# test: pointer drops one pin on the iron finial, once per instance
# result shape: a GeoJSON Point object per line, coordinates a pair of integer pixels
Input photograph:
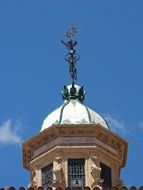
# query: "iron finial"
{"type": "Point", "coordinates": [72, 57]}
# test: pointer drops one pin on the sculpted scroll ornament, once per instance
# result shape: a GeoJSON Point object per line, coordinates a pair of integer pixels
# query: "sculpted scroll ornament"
{"type": "Point", "coordinates": [34, 177]}
{"type": "Point", "coordinates": [95, 171]}
{"type": "Point", "coordinates": [58, 172]}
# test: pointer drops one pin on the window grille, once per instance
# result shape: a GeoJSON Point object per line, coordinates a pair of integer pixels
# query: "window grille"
{"type": "Point", "coordinates": [76, 174]}
{"type": "Point", "coordinates": [106, 176]}
{"type": "Point", "coordinates": [47, 176]}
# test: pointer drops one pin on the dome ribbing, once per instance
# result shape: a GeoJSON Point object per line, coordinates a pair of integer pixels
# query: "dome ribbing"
{"type": "Point", "coordinates": [73, 111]}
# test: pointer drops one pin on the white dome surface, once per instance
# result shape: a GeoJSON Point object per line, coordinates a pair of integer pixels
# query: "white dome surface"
{"type": "Point", "coordinates": [73, 112]}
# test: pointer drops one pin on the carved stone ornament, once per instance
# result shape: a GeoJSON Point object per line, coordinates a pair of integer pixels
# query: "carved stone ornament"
{"type": "Point", "coordinates": [95, 171]}
{"type": "Point", "coordinates": [58, 172]}
{"type": "Point", "coordinates": [33, 184]}
{"type": "Point", "coordinates": [46, 139]}
{"type": "Point", "coordinates": [34, 179]}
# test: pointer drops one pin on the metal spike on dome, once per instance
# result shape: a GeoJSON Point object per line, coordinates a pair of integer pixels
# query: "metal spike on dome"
{"type": "Point", "coordinates": [72, 57]}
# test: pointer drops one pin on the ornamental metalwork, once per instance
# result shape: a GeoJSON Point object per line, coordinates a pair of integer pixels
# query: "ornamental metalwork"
{"type": "Point", "coordinates": [76, 173]}
{"type": "Point", "coordinates": [72, 57]}
{"type": "Point", "coordinates": [47, 176]}
{"type": "Point", "coordinates": [73, 93]}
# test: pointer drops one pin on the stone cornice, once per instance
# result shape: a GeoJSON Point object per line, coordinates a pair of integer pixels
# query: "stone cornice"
{"type": "Point", "coordinates": [85, 130]}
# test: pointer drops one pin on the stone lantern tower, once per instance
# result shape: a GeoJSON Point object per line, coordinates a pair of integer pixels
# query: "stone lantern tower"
{"type": "Point", "coordinates": [75, 147]}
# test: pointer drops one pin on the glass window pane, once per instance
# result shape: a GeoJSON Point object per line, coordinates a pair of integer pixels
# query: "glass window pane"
{"type": "Point", "coordinates": [76, 175]}
{"type": "Point", "coordinates": [106, 175]}
{"type": "Point", "coordinates": [47, 176]}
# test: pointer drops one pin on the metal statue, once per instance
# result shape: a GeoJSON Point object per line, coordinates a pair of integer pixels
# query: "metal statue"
{"type": "Point", "coordinates": [72, 57]}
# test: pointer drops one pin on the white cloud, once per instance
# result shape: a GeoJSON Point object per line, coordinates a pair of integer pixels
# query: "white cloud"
{"type": "Point", "coordinates": [9, 132]}
{"type": "Point", "coordinates": [115, 125]}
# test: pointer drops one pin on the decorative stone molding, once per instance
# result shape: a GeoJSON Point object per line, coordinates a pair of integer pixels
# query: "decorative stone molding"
{"type": "Point", "coordinates": [32, 184]}
{"type": "Point", "coordinates": [58, 171]}
{"type": "Point", "coordinates": [34, 179]}
{"type": "Point", "coordinates": [95, 170]}
{"type": "Point", "coordinates": [95, 167]}
{"type": "Point", "coordinates": [59, 143]}
{"type": "Point", "coordinates": [55, 131]}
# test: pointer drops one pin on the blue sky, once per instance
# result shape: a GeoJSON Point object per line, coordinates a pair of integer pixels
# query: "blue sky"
{"type": "Point", "coordinates": [33, 72]}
